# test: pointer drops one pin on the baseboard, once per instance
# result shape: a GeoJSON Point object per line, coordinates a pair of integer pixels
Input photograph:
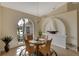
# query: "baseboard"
{"type": "Point", "coordinates": [15, 46]}
{"type": "Point", "coordinates": [59, 46]}
{"type": "Point", "coordinates": [71, 47]}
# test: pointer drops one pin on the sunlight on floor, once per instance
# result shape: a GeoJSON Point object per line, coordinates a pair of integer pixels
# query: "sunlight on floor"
{"type": "Point", "coordinates": [21, 51]}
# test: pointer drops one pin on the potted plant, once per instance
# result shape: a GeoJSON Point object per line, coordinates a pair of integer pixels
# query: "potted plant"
{"type": "Point", "coordinates": [7, 40]}
{"type": "Point", "coordinates": [40, 33]}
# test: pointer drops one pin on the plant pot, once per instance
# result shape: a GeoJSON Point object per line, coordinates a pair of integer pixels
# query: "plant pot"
{"type": "Point", "coordinates": [6, 48]}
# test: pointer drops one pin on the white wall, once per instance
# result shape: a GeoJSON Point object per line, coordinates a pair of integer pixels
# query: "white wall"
{"type": "Point", "coordinates": [2, 43]}
{"type": "Point", "coordinates": [60, 37]}
{"type": "Point", "coordinates": [70, 21]}
{"type": "Point", "coordinates": [9, 23]}
{"type": "Point", "coordinates": [51, 23]}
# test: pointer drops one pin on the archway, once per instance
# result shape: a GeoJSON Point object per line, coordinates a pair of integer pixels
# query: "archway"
{"type": "Point", "coordinates": [54, 24]}
{"type": "Point", "coordinates": [24, 27]}
{"type": "Point", "coordinates": [29, 28]}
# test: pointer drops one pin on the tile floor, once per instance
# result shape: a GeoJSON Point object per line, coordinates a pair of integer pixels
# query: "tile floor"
{"type": "Point", "coordinates": [59, 51]}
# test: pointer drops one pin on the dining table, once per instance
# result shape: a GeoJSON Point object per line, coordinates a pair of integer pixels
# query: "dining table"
{"type": "Point", "coordinates": [37, 43]}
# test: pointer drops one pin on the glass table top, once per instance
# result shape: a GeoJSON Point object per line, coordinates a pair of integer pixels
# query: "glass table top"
{"type": "Point", "coordinates": [21, 51]}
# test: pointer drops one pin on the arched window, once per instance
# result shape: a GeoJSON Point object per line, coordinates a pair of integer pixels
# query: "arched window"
{"type": "Point", "coordinates": [25, 26]}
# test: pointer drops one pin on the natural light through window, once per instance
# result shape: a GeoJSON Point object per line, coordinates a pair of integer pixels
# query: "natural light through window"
{"type": "Point", "coordinates": [26, 20]}
{"type": "Point", "coordinates": [21, 22]}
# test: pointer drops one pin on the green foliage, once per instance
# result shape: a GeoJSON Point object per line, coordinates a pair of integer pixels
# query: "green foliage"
{"type": "Point", "coordinates": [40, 33]}
{"type": "Point", "coordinates": [7, 39]}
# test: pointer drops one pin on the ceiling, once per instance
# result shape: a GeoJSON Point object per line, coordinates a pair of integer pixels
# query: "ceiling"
{"type": "Point", "coordinates": [34, 8]}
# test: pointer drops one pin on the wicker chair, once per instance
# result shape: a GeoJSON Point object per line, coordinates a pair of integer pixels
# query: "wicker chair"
{"type": "Point", "coordinates": [30, 48]}
{"type": "Point", "coordinates": [45, 50]}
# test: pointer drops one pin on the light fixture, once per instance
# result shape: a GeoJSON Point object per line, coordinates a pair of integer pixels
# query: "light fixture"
{"type": "Point", "coordinates": [52, 32]}
{"type": "Point", "coordinates": [52, 28]}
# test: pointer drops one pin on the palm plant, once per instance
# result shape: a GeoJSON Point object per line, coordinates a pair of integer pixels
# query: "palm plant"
{"type": "Point", "coordinates": [7, 40]}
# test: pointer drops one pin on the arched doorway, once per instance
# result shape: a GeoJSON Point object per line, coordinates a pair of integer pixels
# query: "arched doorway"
{"type": "Point", "coordinates": [55, 24]}
{"type": "Point", "coordinates": [24, 27]}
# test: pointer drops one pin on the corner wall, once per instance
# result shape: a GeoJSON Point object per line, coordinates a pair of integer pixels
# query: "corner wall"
{"type": "Point", "coordinates": [70, 21]}
{"type": "Point", "coordinates": [59, 10]}
{"type": "Point", "coordinates": [68, 14]}
{"type": "Point", "coordinates": [0, 20]}
{"type": "Point", "coordinates": [1, 28]}
{"type": "Point", "coordinates": [9, 22]}
{"type": "Point", "coordinates": [78, 28]}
